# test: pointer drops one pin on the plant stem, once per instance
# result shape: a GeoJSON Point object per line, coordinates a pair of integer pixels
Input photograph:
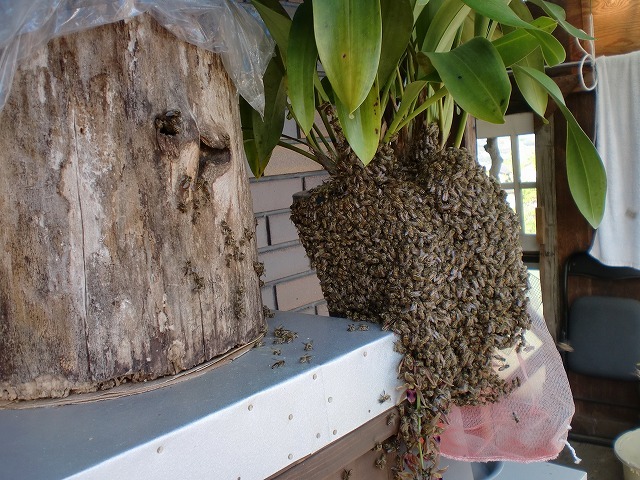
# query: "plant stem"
{"type": "Point", "coordinates": [427, 103]}
{"type": "Point", "coordinates": [330, 149]}
{"type": "Point", "coordinates": [320, 159]}
{"type": "Point", "coordinates": [328, 126]}
{"type": "Point", "coordinates": [461, 129]}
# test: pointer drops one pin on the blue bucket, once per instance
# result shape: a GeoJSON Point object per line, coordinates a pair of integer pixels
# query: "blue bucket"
{"type": "Point", "coordinates": [486, 470]}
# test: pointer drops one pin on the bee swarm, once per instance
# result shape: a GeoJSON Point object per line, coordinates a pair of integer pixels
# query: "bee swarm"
{"type": "Point", "coordinates": [425, 244]}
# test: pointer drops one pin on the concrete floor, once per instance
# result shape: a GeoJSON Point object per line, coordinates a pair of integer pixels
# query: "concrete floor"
{"type": "Point", "coordinates": [599, 462]}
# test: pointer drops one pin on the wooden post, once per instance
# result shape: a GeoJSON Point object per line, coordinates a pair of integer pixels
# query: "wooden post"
{"type": "Point", "coordinates": [127, 247]}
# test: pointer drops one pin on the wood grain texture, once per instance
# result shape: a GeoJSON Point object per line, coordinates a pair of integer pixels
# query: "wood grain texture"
{"type": "Point", "coordinates": [350, 453]}
{"type": "Point", "coordinates": [114, 259]}
{"type": "Point", "coordinates": [616, 25]}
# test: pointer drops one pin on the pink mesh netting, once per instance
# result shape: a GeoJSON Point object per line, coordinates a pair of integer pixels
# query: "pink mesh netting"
{"type": "Point", "coordinates": [531, 424]}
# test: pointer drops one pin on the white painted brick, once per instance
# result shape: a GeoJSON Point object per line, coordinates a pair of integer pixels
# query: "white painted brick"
{"type": "Point", "coordinates": [285, 161]}
{"type": "Point", "coordinates": [298, 292]}
{"type": "Point", "coordinates": [282, 228]}
{"type": "Point", "coordinates": [274, 194]}
{"type": "Point", "coordinates": [284, 262]}
{"type": "Point", "coordinates": [290, 128]}
{"type": "Point", "coordinates": [269, 297]}
{"type": "Point", "coordinates": [313, 181]}
{"type": "Point", "coordinates": [262, 237]}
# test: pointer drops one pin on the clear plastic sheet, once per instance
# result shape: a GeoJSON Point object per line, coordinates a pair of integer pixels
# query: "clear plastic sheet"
{"type": "Point", "coordinates": [221, 26]}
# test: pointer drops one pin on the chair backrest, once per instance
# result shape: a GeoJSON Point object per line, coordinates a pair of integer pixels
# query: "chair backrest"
{"type": "Point", "coordinates": [604, 331]}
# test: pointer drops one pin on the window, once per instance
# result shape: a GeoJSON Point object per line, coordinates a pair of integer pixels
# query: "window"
{"type": "Point", "coordinates": [507, 152]}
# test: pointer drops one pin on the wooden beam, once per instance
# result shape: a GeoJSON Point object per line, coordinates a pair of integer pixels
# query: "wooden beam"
{"type": "Point", "coordinates": [335, 458]}
{"type": "Point", "coordinates": [616, 25]}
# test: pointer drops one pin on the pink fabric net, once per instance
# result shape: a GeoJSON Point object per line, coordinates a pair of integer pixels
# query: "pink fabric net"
{"type": "Point", "coordinates": [531, 424]}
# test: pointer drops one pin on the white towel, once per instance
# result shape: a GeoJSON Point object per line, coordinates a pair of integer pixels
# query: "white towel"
{"type": "Point", "coordinates": [617, 240]}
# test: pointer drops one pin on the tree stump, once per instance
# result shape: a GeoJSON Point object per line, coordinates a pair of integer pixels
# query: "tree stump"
{"type": "Point", "coordinates": [127, 245]}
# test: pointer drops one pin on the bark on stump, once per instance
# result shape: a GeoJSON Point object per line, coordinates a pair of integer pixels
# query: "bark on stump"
{"type": "Point", "coordinates": [126, 227]}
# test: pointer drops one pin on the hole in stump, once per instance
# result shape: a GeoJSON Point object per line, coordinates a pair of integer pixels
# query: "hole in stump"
{"type": "Point", "coordinates": [169, 123]}
{"type": "Point", "coordinates": [213, 153]}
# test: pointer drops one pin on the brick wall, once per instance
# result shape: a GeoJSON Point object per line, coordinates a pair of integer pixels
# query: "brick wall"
{"type": "Point", "coordinates": [290, 284]}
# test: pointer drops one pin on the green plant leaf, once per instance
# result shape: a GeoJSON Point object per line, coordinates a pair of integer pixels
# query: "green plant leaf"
{"type": "Point", "coordinates": [418, 7]}
{"type": "Point", "coordinates": [476, 77]}
{"type": "Point", "coordinates": [515, 46]}
{"type": "Point", "coordinates": [362, 127]}
{"type": "Point", "coordinates": [557, 13]}
{"type": "Point", "coordinates": [480, 25]}
{"type": "Point", "coordinates": [534, 94]}
{"type": "Point", "coordinates": [397, 26]}
{"type": "Point", "coordinates": [261, 135]}
{"type": "Point", "coordinates": [410, 94]}
{"type": "Point", "coordinates": [552, 49]}
{"type": "Point", "coordinates": [328, 89]}
{"type": "Point", "coordinates": [349, 37]}
{"type": "Point", "coordinates": [301, 66]}
{"type": "Point", "coordinates": [249, 143]}
{"type": "Point", "coordinates": [273, 5]}
{"type": "Point", "coordinates": [444, 26]}
{"type": "Point", "coordinates": [497, 10]}
{"type": "Point", "coordinates": [277, 21]}
{"type": "Point", "coordinates": [585, 171]}
{"type": "Point", "coordinates": [423, 17]}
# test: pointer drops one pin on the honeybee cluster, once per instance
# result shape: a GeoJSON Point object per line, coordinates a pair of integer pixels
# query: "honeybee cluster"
{"type": "Point", "coordinates": [425, 244]}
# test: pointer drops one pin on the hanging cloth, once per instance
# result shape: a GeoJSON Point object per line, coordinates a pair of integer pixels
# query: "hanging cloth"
{"type": "Point", "coordinates": [617, 240]}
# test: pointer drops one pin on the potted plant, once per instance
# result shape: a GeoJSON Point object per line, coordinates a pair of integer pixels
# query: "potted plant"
{"type": "Point", "coordinates": [409, 231]}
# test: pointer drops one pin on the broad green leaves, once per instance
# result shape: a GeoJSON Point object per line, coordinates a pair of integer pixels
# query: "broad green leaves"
{"type": "Point", "coordinates": [261, 135]}
{"type": "Point", "coordinates": [557, 13]}
{"type": "Point", "coordinates": [362, 127]}
{"type": "Point", "coordinates": [498, 11]}
{"type": "Point", "coordinates": [302, 57]}
{"type": "Point", "coordinates": [444, 26]}
{"type": "Point", "coordinates": [392, 63]}
{"type": "Point", "coordinates": [397, 25]}
{"type": "Point", "coordinates": [349, 38]}
{"type": "Point", "coordinates": [476, 77]}
{"type": "Point", "coordinates": [276, 20]}
{"type": "Point", "coordinates": [585, 172]}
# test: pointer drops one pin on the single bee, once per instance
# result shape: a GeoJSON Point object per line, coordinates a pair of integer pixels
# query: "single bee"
{"type": "Point", "coordinates": [391, 417]}
{"type": "Point", "coordinates": [381, 462]}
{"type": "Point", "coordinates": [377, 447]}
{"type": "Point", "coordinates": [308, 346]}
{"type": "Point", "coordinates": [351, 328]}
{"type": "Point", "coordinates": [187, 268]}
{"type": "Point", "coordinates": [503, 367]}
{"type": "Point", "coordinates": [276, 351]}
{"type": "Point", "coordinates": [278, 364]}
{"type": "Point", "coordinates": [185, 182]}
{"type": "Point", "coordinates": [346, 475]}
{"type": "Point", "coordinates": [565, 347]}
{"type": "Point", "coordinates": [305, 359]}
{"type": "Point", "coordinates": [384, 397]}
{"type": "Point", "coordinates": [363, 327]}
{"type": "Point", "coordinates": [515, 417]}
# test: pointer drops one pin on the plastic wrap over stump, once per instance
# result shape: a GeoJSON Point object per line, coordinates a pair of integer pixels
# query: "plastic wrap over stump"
{"type": "Point", "coordinates": [220, 26]}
